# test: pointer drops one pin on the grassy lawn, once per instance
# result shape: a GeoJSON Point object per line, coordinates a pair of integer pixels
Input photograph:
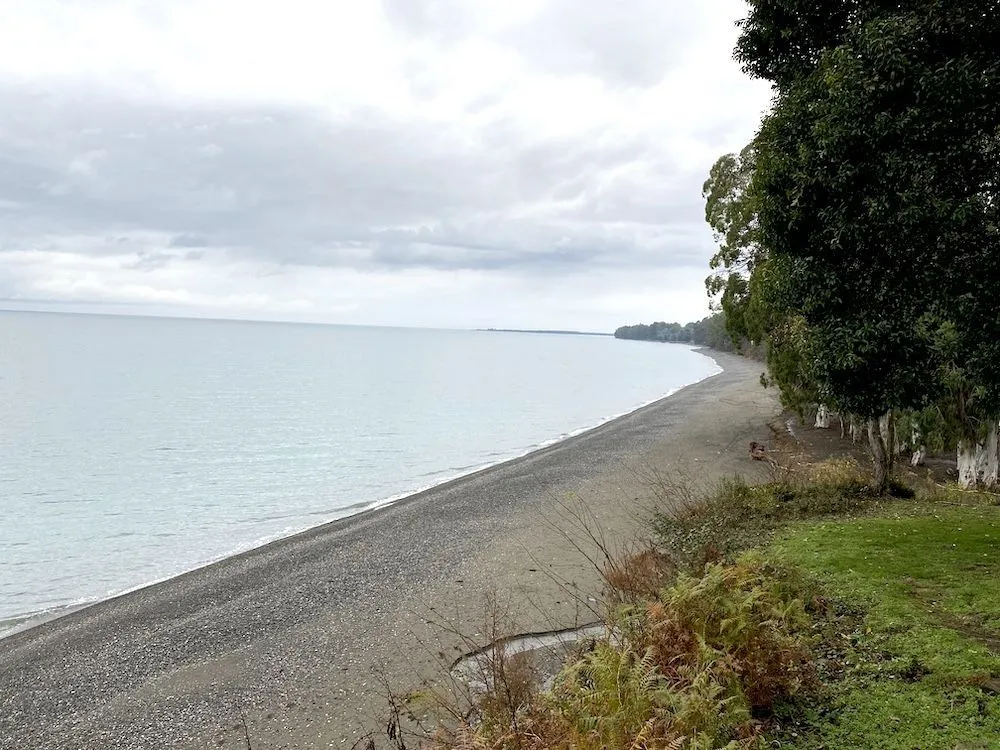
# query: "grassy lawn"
{"type": "Point", "coordinates": [920, 669]}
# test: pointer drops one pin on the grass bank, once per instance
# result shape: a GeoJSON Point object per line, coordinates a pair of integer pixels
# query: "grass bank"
{"type": "Point", "coordinates": [803, 613]}
{"type": "Point", "coordinates": [920, 666]}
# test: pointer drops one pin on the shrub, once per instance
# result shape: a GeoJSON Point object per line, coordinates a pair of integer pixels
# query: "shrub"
{"type": "Point", "coordinates": [842, 470]}
{"type": "Point", "coordinates": [737, 516]}
{"type": "Point", "coordinates": [686, 670]}
{"type": "Point", "coordinates": [748, 620]}
{"type": "Point", "coordinates": [632, 577]}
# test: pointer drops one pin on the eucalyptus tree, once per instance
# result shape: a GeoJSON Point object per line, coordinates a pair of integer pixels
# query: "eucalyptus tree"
{"type": "Point", "coordinates": [731, 212]}
{"type": "Point", "coordinates": [875, 186]}
{"type": "Point", "coordinates": [741, 280]}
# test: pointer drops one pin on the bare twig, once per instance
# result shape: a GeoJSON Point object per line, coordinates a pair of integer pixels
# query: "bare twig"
{"type": "Point", "coordinates": [243, 720]}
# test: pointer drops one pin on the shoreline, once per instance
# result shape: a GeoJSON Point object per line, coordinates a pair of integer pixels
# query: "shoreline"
{"type": "Point", "coordinates": [28, 621]}
{"type": "Point", "coordinates": [294, 630]}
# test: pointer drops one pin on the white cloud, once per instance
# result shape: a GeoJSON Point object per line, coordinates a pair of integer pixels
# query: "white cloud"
{"type": "Point", "coordinates": [211, 149]}
{"type": "Point", "coordinates": [435, 162]}
{"type": "Point", "coordinates": [84, 164]}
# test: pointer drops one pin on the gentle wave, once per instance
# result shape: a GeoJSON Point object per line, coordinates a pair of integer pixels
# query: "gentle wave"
{"type": "Point", "coordinates": [329, 516]}
{"type": "Point", "coordinates": [182, 444]}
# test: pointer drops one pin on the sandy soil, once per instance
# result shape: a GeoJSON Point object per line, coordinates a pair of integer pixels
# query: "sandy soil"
{"type": "Point", "coordinates": [298, 635]}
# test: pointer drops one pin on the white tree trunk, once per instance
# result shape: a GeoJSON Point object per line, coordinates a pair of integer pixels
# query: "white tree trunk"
{"type": "Point", "coordinates": [857, 431]}
{"type": "Point", "coordinates": [822, 417]}
{"type": "Point", "coordinates": [887, 427]}
{"type": "Point", "coordinates": [968, 463]}
{"type": "Point", "coordinates": [989, 461]}
{"type": "Point", "coordinates": [919, 450]}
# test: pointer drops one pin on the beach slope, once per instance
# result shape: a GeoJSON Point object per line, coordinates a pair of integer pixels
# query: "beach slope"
{"type": "Point", "coordinates": [292, 636]}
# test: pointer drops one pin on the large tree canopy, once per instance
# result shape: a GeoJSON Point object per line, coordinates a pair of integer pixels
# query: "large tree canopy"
{"type": "Point", "coordinates": [784, 40]}
{"type": "Point", "coordinates": [875, 190]}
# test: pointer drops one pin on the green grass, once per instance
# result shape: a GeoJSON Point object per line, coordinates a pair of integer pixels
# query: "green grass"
{"type": "Point", "coordinates": [928, 580]}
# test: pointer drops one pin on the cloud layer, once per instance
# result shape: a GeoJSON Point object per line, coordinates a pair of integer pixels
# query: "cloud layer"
{"type": "Point", "coordinates": [425, 162]}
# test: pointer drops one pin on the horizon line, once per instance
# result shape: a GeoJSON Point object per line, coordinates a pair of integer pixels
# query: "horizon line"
{"type": "Point", "coordinates": [217, 319]}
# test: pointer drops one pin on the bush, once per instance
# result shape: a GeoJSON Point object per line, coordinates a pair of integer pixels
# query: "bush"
{"type": "Point", "coordinates": [747, 621]}
{"type": "Point", "coordinates": [737, 516]}
{"type": "Point", "coordinates": [837, 471]}
{"type": "Point", "coordinates": [693, 668]}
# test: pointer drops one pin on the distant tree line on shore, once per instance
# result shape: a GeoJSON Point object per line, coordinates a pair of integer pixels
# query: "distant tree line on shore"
{"type": "Point", "coordinates": [710, 331]}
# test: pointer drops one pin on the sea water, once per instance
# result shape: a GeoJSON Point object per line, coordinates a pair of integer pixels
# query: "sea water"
{"type": "Point", "coordinates": [133, 449]}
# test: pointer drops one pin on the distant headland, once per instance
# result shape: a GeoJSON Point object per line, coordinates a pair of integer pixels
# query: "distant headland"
{"type": "Point", "coordinates": [531, 330]}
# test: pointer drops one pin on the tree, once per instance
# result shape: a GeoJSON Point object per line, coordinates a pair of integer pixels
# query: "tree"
{"type": "Point", "coordinates": [741, 279]}
{"type": "Point", "coordinates": [875, 184]}
{"type": "Point", "coordinates": [783, 41]}
{"type": "Point", "coordinates": [731, 211]}
{"type": "Point", "coordinates": [710, 331]}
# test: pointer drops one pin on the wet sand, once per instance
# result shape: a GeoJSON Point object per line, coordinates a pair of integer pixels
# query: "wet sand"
{"type": "Point", "coordinates": [293, 635]}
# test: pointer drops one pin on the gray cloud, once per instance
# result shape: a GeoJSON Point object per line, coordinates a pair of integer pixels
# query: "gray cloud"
{"type": "Point", "coordinates": [188, 240]}
{"type": "Point", "coordinates": [421, 161]}
{"type": "Point", "coordinates": [292, 186]}
{"type": "Point", "coordinates": [151, 261]}
{"type": "Point", "coordinates": [630, 43]}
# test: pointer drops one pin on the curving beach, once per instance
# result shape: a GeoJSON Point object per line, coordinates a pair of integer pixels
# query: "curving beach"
{"type": "Point", "coordinates": [294, 634]}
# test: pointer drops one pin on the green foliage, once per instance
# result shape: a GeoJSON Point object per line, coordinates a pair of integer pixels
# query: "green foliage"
{"type": "Point", "coordinates": [610, 696]}
{"type": "Point", "coordinates": [931, 427]}
{"type": "Point", "coordinates": [689, 665]}
{"type": "Point", "coordinates": [745, 621]}
{"type": "Point", "coordinates": [742, 279]}
{"type": "Point", "coordinates": [710, 331]}
{"type": "Point", "coordinates": [876, 188]}
{"type": "Point", "coordinates": [782, 40]}
{"type": "Point", "coordinates": [731, 212]}
{"type": "Point", "coordinates": [739, 272]}
{"type": "Point", "coordinates": [790, 364]}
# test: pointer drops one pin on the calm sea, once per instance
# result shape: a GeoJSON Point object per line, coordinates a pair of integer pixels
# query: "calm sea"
{"type": "Point", "coordinates": [133, 449]}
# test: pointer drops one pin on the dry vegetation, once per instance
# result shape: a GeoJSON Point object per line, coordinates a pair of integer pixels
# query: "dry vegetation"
{"type": "Point", "coordinates": [722, 634]}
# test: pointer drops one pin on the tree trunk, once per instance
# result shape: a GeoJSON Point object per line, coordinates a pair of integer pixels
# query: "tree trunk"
{"type": "Point", "coordinates": [979, 462]}
{"type": "Point", "coordinates": [887, 427]}
{"type": "Point", "coordinates": [989, 462]}
{"type": "Point", "coordinates": [856, 430]}
{"type": "Point", "coordinates": [968, 463]}
{"type": "Point", "coordinates": [919, 449]}
{"type": "Point", "coordinates": [822, 417]}
{"type": "Point", "coordinates": [880, 440]}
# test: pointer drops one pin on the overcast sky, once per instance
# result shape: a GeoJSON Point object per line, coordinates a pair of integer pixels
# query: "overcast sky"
{"type": "Point", "coordinates": [458, 163]}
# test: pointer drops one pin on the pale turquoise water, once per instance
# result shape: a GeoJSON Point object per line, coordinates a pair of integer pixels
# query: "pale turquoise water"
{"type": "Point", "coordinates": [133, 449]}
